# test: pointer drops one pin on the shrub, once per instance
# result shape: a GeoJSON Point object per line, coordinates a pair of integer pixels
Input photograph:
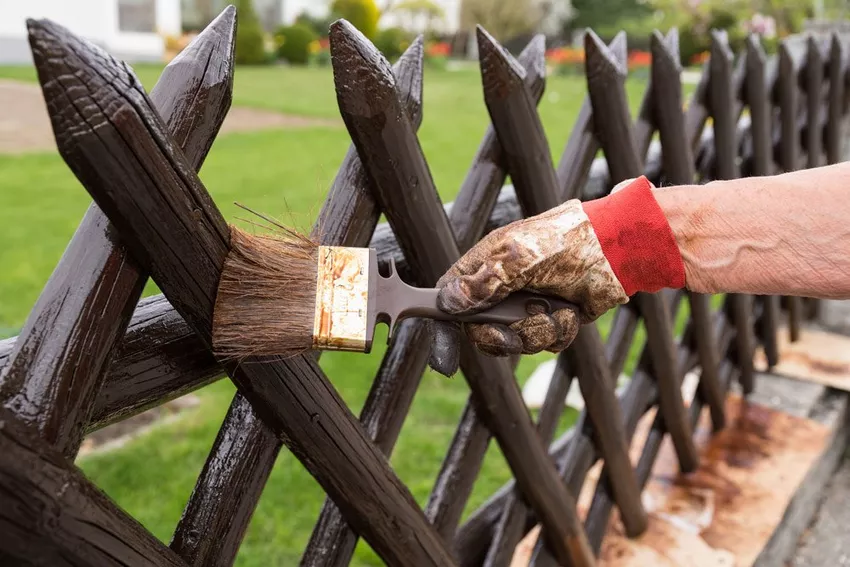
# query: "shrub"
{"type": "Point", "coordinates": [320, 53]}
{"type": "Point", "coordinates": [293, 43]}
{"type": "Point", "coordinates": [392, 42]}
{"type": "Point", "coordinates": [692, 44]}
{"type": "Point", "coordinates": [250, 48]}
{"type": "Point", "coordinates": [721, 18]}
{"type": "Point", "coordinates": [319, 25]}
{"type": "Point", "coordinates": [362, 14]}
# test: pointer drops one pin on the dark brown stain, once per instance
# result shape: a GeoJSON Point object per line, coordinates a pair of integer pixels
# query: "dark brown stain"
{"type": "Point", "coordinates": [739, 446]}
{"type": "Point", "coordinates": [819, 365]}
{"type": "Point", "coordinates": [42, 492]}
{"type": "Point", "coordinates": [829, 367]}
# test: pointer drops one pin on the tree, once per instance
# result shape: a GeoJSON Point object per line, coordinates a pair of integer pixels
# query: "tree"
{"type": "Point", "coordinates": [504, 20]}
{"type": "Point", "coordinates": [695, 20]}
{"type": "Point", "coordinates": [426, 10]}
{"type": "Point", "coordinates": [250, 48]}
{"type": "Point", "coordinates": [362, 14]}
{"type": "Point", "coordinates": [606, 13]}
{"type": "Point", "coordinates": [295, 43]}
{"type": "Point", "coordinates": [789, 14]}
{"type": "Point", "coordinates": [320, 25]}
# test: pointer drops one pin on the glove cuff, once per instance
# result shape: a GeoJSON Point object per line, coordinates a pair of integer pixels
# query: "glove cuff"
{"type": "Point", "coordinates": [636, 239]}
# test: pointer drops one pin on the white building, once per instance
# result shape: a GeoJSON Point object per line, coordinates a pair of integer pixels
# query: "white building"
{"type": "Point", "coordinates": [132, 30]}
{"type": "Point", "coordinates": [135, 30]}
{"type": "Point", "coordinates": [284, 12]}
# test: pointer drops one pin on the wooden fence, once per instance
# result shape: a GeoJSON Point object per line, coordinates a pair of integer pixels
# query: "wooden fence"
{"type": "Point", "coordinates": [92, 354]}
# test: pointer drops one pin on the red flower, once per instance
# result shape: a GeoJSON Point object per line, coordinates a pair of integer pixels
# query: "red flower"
{"type": "Point", "coordinates": [639, 59]}
{"type": "Point", "coordinates": [441, 49]}
{"type": "Point", "coordinates": [561, 55]}
{"type": "Point", "coordinates": [700, 58]}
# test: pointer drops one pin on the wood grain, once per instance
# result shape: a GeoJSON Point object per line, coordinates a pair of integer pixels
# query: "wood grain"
{"type": "Point", "coordinates": [173, 227]}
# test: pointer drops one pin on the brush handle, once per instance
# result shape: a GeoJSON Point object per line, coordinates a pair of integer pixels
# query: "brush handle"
{"type": "Point", "coordinates": [422, 302]}
{"type": "Point", "coordinates": [392, 300]}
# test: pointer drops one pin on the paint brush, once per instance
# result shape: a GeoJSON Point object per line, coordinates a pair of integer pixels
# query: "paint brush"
{"type": "Point", "coordinates": [284, 294]}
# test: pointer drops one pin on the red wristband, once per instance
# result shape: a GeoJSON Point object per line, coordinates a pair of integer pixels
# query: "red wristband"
{"type": "Point", "coordinates": [637, 239]}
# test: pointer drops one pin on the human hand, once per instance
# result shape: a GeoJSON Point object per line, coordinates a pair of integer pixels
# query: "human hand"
{"type": "Point", "coordinates": [558, 252]}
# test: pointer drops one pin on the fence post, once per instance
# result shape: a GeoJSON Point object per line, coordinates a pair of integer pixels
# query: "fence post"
{"type": "Point", "coordinates": [531, 169]}
{"type": "Point", "coordinates": [61, 358]}
{"type": "Point", "coordinates": [605, 83]}
{"type": "Point", "coordinates": [172, 226]}
{"type": "Point", "coordinates": [478, 194]}
{"type": "Point", "coordinates": [725, 111]}
{"type": "Point", "coordinates": [790, 63]}
{"type": "Point", "coordinates": [678, 164]}
{"type": "Point", "coordinates": [761, 116]}
{"type": "Point", "coordinates": [403, 185]}
{"type": "Point", "coordinates": [52, 515]}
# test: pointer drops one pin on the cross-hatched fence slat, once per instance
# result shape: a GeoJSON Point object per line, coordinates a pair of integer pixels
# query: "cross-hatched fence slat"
{"type": "Point", "coordinates": [154, 206]}
{"type": "Point", "coordinates": [153, 216]}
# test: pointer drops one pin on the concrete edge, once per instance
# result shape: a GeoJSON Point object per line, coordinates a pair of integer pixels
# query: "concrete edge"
{"type": "Point", "coordinates": [831, 407]}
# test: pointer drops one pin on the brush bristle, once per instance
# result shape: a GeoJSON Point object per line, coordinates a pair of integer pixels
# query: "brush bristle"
{"type": "Point", "coordinates": [266, 296]}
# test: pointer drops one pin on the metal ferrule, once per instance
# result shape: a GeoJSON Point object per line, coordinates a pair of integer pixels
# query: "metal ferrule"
{"type": "Point", "coordinates": [342, 318]}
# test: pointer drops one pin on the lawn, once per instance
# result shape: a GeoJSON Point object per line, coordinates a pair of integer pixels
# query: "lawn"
{"type": "Point", "coordinates": [285, 173]}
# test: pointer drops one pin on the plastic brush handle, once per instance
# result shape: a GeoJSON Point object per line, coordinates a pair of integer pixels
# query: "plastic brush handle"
{"type": "Point", "coordinates": [516, 307]}
{"type": "Point", "coordinates": [394, 301]}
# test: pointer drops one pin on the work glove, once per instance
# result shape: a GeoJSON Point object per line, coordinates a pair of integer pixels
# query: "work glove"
{"type": "Point", "coordinates": [595, 255]}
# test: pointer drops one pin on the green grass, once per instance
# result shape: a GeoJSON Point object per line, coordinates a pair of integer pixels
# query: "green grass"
{"type": "Point", "coordinates": [286, 174]}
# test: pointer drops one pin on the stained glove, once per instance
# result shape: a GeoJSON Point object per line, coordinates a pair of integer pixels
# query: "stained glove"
{"type": "Point", "coordinates": [594, 255]}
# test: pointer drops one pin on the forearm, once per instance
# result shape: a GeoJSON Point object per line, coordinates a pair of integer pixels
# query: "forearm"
{"type": "Point", "coordinates": [781, 235]}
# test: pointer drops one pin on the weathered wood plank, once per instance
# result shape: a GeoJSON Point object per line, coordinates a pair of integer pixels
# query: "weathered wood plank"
{"type": "Point", "coordinates": [723, 111]}
{"type": "Point", "coordinates": [52, 515]}
{"type": "Point", "coordinates": [605, 78]}
{"type": "Point", "coordinates": [348, 218]}
{"type": "Point", "coordinates": [678, 163]}
{"type": "Point", "coordinates": [172, 226]}
{"type": "Point", "coordinates": [62, 356]}
{"type": "Point", "coordinates": [761, 115]}
{"type": "Point", "coordinates": [529, 164]}
{"type": "Point", "coordinates": [468, 219]}
{"type": "Point", "coordinates": [790, 65]}
{"type": "Point", "coordinates": [403, 185]}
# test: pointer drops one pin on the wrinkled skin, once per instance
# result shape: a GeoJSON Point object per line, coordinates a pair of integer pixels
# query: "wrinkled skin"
{"type": "Point", "coordinates": [555, 253]}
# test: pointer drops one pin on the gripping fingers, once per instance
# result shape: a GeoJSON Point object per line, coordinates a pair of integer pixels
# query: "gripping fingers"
{"type": "Point", "coordinates": [494, 340]}
{"type": "Point", "coordinates": [551, 332]}
{"type": "Point", "coordinates": [569, 322]}
{"type": "Point", "coordinates": [537, 332]}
